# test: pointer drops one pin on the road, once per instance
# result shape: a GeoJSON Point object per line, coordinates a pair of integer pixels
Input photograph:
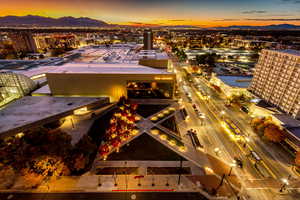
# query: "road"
{"type": "Point", "coordinates": [104, 196]}
{"type": "Point", "coordinates": [273, 166]}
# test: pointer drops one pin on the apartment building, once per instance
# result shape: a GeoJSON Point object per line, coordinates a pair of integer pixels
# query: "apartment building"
{"type": "Point", "coordinates": [277, 80]}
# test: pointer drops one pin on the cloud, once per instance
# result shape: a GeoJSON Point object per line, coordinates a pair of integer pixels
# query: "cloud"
{"type": "Point", "coordinates": [142, 24]}
{"type": "Point", "coordinates": [260, 19]}
{"type": "Point", "coordinates": [291, 1]}
{"type": "Point", "coordinates": [177, 20]}
{"type": "Point", "coordinates": [254, 12]}
{"type": "Point", "coordinates": [225, 20]}
{"type": "Point", "coordinates": [273, 19]}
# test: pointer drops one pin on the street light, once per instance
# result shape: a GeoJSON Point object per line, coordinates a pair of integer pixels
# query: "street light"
{"type": "Point", "coordinates": [217, 151]}
{"type": "Point", "coordinates": [202, 119]}
{"type": "Point", "coordinates": [285, 183]}
{"type": "Point", "coordinates": [231, 167]}
{"type": "Point", "coordinates": [222, 113]}
{"type": "Point", "coordinates": [247, 139]}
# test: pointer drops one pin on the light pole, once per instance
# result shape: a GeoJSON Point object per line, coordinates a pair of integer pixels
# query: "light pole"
{"type": "Point", "coordinates": [72, 122]}
{"type": "Point", "coordinates": [232, 165]}
{"type": "Point", "coordinates": [285, 182]}
{"type": "Point", "coordinates": [179, 175]}
{"type": "Point", "coordinates": [222, 113]}
{"type": "Point", "coordinates": [217, 151]}
{"type": "Point", "coordinates": [202, 120]}
{"type": "Point", "coordinates": [247, 139]}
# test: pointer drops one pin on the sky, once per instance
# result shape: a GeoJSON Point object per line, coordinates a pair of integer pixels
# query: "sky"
{"type": "Point", "coordinates": [203, 13]}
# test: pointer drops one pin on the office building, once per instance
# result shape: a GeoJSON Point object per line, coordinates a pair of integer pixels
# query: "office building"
{"type": "Point", "coordinates": [23, 42]}
{"type": "Point", "coordinates": [148, 40]}
{"type": "Point", "coordinates": [277, 80]}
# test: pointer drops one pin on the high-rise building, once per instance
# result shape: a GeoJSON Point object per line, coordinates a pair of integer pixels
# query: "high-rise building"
{"type": "Point", "coordinates": [148, 39]}
{"type": "Point", "coordinates": [23, 42]}
{"type": "Point", "coordinates": [277, 80]}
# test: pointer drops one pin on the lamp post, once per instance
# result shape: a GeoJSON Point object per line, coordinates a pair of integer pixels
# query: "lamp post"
{"type": "Point", "coordinates": [202, 120]}
{"type": "Point", "coordinates": [285, 182]}
{"type": "Point", "coordinates": [217, 151]}
{"type": "Point", "coordinates": [231, 167]}
{"type": "Point", "coordinates": [222, 113]}
{"type": "Point", "coordinates": [180, 170]}
{"type": "Point", "coordinates": [247, 139]}
{"type": "Point", "coordinates": [72, 122]}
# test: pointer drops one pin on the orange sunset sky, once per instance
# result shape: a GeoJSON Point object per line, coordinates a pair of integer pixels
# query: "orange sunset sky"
{"type": "Point", "coordinates": [204, 13]}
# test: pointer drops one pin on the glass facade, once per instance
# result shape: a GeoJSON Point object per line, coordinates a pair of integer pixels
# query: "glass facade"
{"type": "Point", "coordinates": [14, 86]}
{"type": "Point", "coordinates": [149, 90]}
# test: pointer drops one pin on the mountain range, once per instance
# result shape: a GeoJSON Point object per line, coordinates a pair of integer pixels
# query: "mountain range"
{"type": "Point", "coordinates": [269, 27]}
{"type": "Point", "coordinates": [32, 20]}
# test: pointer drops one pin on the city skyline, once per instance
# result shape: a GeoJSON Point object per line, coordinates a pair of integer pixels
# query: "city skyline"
{"type": "Point", "coordinates": [171, 12]}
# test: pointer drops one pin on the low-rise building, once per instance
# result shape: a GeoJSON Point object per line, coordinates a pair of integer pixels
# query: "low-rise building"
{"type": "Point", "coordinates": [232, 85]}
{"type": "Point", "coordinates": [111, 80]}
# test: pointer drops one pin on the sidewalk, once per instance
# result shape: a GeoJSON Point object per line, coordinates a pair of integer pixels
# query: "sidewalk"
{"type": "Point", "coordinates": [106, 183]}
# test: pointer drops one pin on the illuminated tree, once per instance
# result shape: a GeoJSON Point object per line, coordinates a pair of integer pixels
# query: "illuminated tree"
{"type": "Point", "coordinates": [7, 176]}
{"type": "Point", "coordinates": [50, 166]}
{"type": "Point", "coordinates": [31, 179]}
{"type": "Point", "coordinates": [256, 121]}
{"type": "Point", "coordinates": [274, 133]}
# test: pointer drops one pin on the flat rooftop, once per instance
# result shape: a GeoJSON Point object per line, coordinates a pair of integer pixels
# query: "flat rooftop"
{"type": "Point", "coordinates": [105, 68]}
{"type": "Point", "coordinates": [288, 51]}
{"type": "Point", "coordinates": [288, 121]}
{"type": "Point", "coordinates": [36, 71]}
{"type": "Point", "coordinates": [44, 90]}
{"type": "Point", "coordinates": [123, 53]}
{"type": "Point", "coordinates": [236, 81]}
{"type": "Point", "coordinates": [32, 109]}
{"type": "Point", "coordinates": [21, 65]}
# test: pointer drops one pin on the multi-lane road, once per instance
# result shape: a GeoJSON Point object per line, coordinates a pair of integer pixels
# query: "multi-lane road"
{"type": "Point", "coordinates": [260, 180]}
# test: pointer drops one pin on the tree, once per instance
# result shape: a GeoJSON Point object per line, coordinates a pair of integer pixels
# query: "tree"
{"type": "Point", "coordinates": [256, 121]}
{"type": "Point", "coordinates": [207, 59]}
{"type": "Point", "coordinates": [57, 52]}
{"type": "Point", "coordinates": [31, 179]}
{"type": "Point", "coordinates": [7, 176]}
{"type": "Point", "coordinates": [273, 133]}
{"type": "Point", "coordinates": [80, 162]}
{"type": "Point", "coordinates": [181, 54]}
{"type": "Point", "coordinates": [297, 159]}
{"type": "Point", "coordinates": [49, 166]}
{"type": "Point", "coordinates": [86, 146]}
{"type": "Point", "coordinates": [201, 59]}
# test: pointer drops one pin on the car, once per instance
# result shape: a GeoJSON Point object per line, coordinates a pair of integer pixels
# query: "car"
{"type": "Point", "coordinates": [245, 109]}
{"type": "Point", "coordinates": [238, 162]}
{"type": "Point", "coordinates": [200, 114]}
